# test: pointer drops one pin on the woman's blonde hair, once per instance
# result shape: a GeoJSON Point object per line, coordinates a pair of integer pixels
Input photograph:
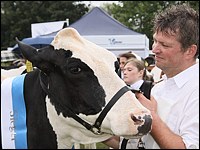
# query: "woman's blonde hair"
{"type": "Point", "coordinates": [140, 65]}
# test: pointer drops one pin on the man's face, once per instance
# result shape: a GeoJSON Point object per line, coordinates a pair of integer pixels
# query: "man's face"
{"type": "Point", "coordinates": [167, 50]}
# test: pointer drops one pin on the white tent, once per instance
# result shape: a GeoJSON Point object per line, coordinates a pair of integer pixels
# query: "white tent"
{"type": "Point", "coordinates": [38, 29]}
{"type": "Point", "coordinates": [118, 44]}
{"type": "Point", "coordinates": [100, 28]}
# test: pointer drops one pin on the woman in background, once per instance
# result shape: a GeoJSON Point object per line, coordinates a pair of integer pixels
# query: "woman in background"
{"type": "Point", "coordinates": [135, 76]}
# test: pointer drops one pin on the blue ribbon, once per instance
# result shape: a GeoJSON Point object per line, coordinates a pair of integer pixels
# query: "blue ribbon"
{"type": "Point", "coordinates": [19, 112]}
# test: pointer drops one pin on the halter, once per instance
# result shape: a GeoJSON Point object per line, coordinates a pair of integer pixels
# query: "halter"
{"type": "Point", "coordinates": [96, 127]}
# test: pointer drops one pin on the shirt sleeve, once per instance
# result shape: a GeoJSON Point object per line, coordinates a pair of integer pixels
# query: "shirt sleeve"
{"type": "Point", "coordinates": [189, 128]}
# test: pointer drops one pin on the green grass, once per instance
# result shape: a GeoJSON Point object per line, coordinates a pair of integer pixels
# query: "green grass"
{"type": "Point", "coordinates": [102, 146]}
{"type": "Point", "coordinates": [98, 145]}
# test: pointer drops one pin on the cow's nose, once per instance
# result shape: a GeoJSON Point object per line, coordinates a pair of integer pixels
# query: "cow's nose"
{"type": "Point", "coordinates": [144, 123]}
{"type": "Point", "coordinates": [137, 120]}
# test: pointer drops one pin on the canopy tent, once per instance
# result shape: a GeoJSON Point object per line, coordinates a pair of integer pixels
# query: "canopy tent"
{"type": "Point", "coordinates": [37, 42]}
{"type": "Point", "coordinates": [38, 29]}
{"type": "Point", "coordinates": [100, 28]}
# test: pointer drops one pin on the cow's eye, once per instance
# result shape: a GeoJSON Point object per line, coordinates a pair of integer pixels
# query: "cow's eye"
{"type": "Point", "coordinates": [75, 70]}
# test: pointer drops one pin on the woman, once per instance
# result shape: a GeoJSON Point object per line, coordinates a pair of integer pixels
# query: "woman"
{"type": "Point", "coordinates": [122, 60]}
{"type": "Point", "coordinates": [135, 75]}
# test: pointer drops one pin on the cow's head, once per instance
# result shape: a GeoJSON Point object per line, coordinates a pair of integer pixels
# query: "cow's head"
{"type": "Point", "coordinates": [82, 77]}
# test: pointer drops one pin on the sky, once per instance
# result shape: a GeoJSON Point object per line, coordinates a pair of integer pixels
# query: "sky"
{"type": "Point", "coordinates": [98, 3]}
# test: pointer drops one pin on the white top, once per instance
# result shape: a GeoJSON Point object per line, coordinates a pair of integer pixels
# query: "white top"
{"type": "Point", "coordinates": [178, 106]}
{"type": "Point", "coordinates": [156, 72]}
{"type": "Point", "coordinates": [137, 85]}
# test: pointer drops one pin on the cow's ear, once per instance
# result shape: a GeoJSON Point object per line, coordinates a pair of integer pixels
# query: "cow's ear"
{"type": "Point", "coordinates": [28, 51]}
{"type": "Point", "coordinates": [34, 56]}
{"type": "Point", "coordinates": [45, 58]}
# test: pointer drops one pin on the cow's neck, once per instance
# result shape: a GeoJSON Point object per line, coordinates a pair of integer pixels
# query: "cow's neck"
{"type": "Point", "coordinates": [37, 121]}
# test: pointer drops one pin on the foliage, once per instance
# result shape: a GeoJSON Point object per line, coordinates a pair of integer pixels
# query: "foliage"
{"type": "Point", "coordinates": [17, 16]}
{"type": "Point", "coordinates": [138, 15]}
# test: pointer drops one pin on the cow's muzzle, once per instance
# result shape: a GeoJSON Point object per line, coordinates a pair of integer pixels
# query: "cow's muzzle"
{"type": "Point", "coordinates": [144, 123]}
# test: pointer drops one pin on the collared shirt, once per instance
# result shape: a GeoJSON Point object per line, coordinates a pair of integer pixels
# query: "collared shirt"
{"type": "Point", "coordinates": [137, 85]}
{"type": "Point", "coordinates": [178, 106]}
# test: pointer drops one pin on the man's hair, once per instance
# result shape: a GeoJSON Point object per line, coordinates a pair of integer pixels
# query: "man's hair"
{"type": "Point", "coordinates": [181, 20]}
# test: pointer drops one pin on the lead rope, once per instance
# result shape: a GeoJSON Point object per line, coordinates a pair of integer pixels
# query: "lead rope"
{"type": "Point", "coordinates": [124, 143]}
{"type": "Point", "coordinates": [141, 144]}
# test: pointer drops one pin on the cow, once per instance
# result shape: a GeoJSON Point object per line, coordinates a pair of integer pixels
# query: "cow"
{"type": "Point", "coordinates": [76, 96]}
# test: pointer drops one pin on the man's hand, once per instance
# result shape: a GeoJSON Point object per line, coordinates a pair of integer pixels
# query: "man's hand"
{"type": "Point", "coordinates": [150, 104]}
{"type": "Point", "coordinates": [159, 128]}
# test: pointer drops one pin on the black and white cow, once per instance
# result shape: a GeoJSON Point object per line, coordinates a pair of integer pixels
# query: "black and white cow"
{"type": "Point", "coordinates": [77, 78]}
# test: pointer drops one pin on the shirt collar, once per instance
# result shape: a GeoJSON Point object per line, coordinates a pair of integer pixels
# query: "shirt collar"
{"type": "Point", "coordinates": [183, 77]}
{"type": "Point", "coordinates": [137, 85]}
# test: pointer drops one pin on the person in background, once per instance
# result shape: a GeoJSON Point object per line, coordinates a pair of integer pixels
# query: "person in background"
{"type": "Point", "coordinates": [135, 75]}
{"type": "Point", "coordinates": [174, 102]}
{"type": "Point", "coordinates": [122, 60]}
{"type": "Point", "coordinates": [10, 60]}
{"type": "Point", "coordinates": [150, 60]}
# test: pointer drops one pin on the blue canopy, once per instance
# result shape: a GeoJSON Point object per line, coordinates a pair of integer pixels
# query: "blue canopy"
{"type": "Point", "coordinates": [37, 42]}
{"type": "Point", "coordinates": [96, 22]}
{"type": "Point", "coordinates": [99, 22]}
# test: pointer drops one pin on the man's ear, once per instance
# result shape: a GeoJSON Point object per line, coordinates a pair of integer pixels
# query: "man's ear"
{"type": "Point", "coordinates": [191, 51]}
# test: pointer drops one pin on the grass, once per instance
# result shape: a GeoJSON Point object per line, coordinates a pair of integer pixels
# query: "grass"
{"type": "Point", "coordinates": [102, 146]}
{"type": "Point", "coordinates": [98, 146]}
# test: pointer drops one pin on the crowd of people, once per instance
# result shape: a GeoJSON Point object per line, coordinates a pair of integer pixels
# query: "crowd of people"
{"type": "Point", "coordinates": [10, 60]}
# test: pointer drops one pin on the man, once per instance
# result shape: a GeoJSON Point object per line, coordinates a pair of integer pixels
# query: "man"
{"type": "Point", "coordinates": [174, 103]}
{"type": "Point", "coordinates": [176, 47]}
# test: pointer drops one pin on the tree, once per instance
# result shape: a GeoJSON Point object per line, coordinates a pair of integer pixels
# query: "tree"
{"type": "Point", "coordinates": [138, 15]}
{"type": "Point", "coordinates": [17, 16]}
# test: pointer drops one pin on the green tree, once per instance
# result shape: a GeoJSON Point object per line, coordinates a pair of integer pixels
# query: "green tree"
{"type": "Point", "coordinates": [17, 16]}
{"type": "Point", "coordinates": [138, 15]}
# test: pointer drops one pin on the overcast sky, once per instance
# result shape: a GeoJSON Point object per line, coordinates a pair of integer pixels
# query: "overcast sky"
{"type": "Point", "coordinates": [98, 3]}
